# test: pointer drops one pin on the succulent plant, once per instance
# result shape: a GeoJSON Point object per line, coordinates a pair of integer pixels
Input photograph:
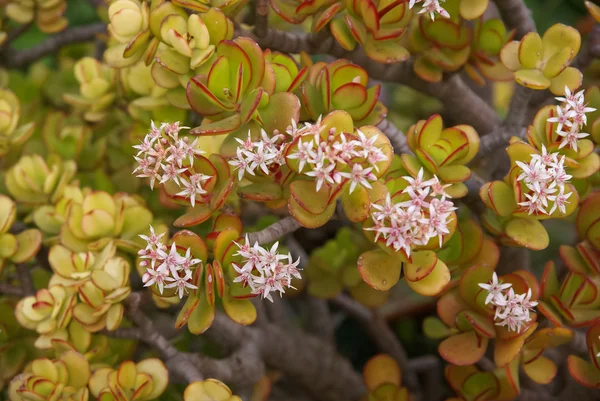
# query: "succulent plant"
{"type": "Point", "coordinates": [238, 94]}
{"type": "Point", "coordinates": [210, 280]}
{"type": "Point", "coordinates": [48, 15]}
{"type": "Point", "coordinates": [101, 281]}
{"type": "Point", "coordinates": [469, 246]}
{"type": "Point", "coordinates": [440, 46]}
{"type": "Point", "coordinates": [34, 181]}
{"type": "Point", "coordinates": [10, 132]}
{"type": "Point", "coordinates": [581, 162]}
{"type": "Point", "coordinates": [442, 152]}
{"type": "Point", "coordinates": [377, 25]}
{"type": "Point", "coordinates": [15, 343]}
{"type": "Point", "coordinates": [63, 379]}
{"type": "Point", "coordinates": [383, 378]}
{"type": "Point", "coordinates": [470, 383]}
{"type": "Point", "coordinates": [48, 312]}
{"type": "Point", "coordinates": [332, 267]}
{"type": "Point", "coordinates": [50, 218]}
{"type": "Point", "coordinates": [584, 372]}
{"type": "Point", "coordinates": [543, 62]}
{"type": "Point", "coordinates": [512, 215]}
{"type": "Point", "coordinates": [296, 11]}
{"type": "Point", "coordinates": [209, 389]}
{"type": "Point", "coordinates": [229, 7]}
{"type": "Point", "coordinates": [489, 37]}
{"type": "Point", "coordinates": [97, 89]}
{"type": "Point", "coordinates": [574, 300]}
{"type": "Point", "coordinates": [588, 219]}
{"type": "Point", "coordinates": [341, 85]}
{"type": "Point", "coordinates": [101, 218]}
{"type": "Point", "coordinates": [145, 380]}
{"type": "Point", "coordinates": [15, 248]}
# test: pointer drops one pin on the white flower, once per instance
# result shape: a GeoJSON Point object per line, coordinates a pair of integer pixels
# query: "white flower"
{"type": "Point", "coordinates": [157, 277]}
{"type": "Point", "coordinates": [302, 154]}
{"type": "Point", "coordinates": [571, 137]}
{"type": "Point", "coordinates": [359, 176]}
{"type": "Point", "coordinates": [181, 283]}
{"type": "Point", "coordinates": [563, 117]}
{"type": "Point", "coordinates": [560, 201]}
{"type": "Point", "coordinates": [494, 289]}
{"type": "Point", "coordinates": [432, 7]}
{"type": "Point", "coordinates": [193, 187]}
{"type": "Point", "coordinates": [322, 174]}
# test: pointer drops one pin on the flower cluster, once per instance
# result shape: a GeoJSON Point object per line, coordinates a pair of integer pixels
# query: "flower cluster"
{"type": "Point", "coordinates": [261, 154]}
{"type": "Point", "coordinates": [571, 118]}
{"type": "Point", "coordinates": [166, 267]}
{"type": "Point", "coordinates": [431, 7]}
{"type": "Point", "coordinates": [265, 271]}
{"type": "Point", "coordinates": [545, 177]}
{"type": "Point", "coordinates": [337, 157]}
{"type": "Point", "coordinates": [166, 157]}
{"type": "Point", "coordinates": [425, 215]}
{"type": "Point", "coordinates": [330, 160]}
{"type": "Point", "coordinates": [511, 310]}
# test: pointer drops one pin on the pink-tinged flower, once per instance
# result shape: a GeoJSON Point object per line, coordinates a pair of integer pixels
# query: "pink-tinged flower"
{"type": "Point", "coordinates": [242, 164]}
{"type": "Point", "coordinates": [495, 290]}
{"type": "Point", "coordinates": [359, 176]}
{"type": "Point", "coordinates": [432, 7]}
{"type": "Point", "coordinates": [514, 323]}
{"type": "Point", "coordinates": [365, 145]}
{"type": "Point", "coordinates": [244, 276]}
{"type": "Point", "coordinates": [563, 117]}
{"type": "Point", "coordinates": [157, 277]}
{"type": "Point", "coordinates": [181, 283]}
{"type": "Point", "coordinates": [172, 173]}
{"type": "Point", "coordinates": [571, 97]}
{"type": "Point", "coordinates": [571, 137]}
{"type": "Point", "coordinates": [533, 174]}
{"type": "Point", "coordinates": [246, 144]}
{"type": "Point", "coordinates": [190, 150]}
{"type": "Point", "coordinates": [383, 211]}
{"type": "Point", "coordinates": [173, 129]}
{"type": "Point", "coordinates": [193, 187]}
{"type": "Point", "coordinates": [153, 240]}
{"type": "Point", "coordinates": [417, 184]}
{"type": "Point", "coordinates": [170, 261]}
{"type": "Point", "coordinates": [322, 174]}
{"type": "Point", "coordinates": [303, 153]}
{"type": "Point", "coordinates": [560, 201]}
{"type": "Point", "coordinates": [547, 159]}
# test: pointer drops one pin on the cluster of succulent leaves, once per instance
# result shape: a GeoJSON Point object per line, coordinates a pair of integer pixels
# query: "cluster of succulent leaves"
{"type": "Point", "coordinates": [66, 137]}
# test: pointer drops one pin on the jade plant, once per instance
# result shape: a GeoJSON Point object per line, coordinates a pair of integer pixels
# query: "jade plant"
{"type": "Point", "coordinates": [221, 200]}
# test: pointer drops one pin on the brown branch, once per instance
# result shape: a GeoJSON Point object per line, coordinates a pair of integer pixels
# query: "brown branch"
{"type": "Point", "coordinates": [12, 58]}
{"type": "Point", "coordinates": [308, 360]}
{"type": "Point", "coordinates": [492, 143]}
{"type": "Point", "coordinates": [517, 16]}
{"type": "Point", "coordinates": [396, 137]}
{"type": "Point", "coordinates": [274, 231]}
{"type": "Point", "coordinates": [261, 23]}
{"type": "Point", "coordinates": [458, 99]}
{"type": "Point", "coordinates": [517, 109]}
{"type": "Point", "coordinates": [24, 275]}
{"type": "Point", "coordinates": [11, 290]}
{"type": "Point", "coordinates": [381, 334]}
